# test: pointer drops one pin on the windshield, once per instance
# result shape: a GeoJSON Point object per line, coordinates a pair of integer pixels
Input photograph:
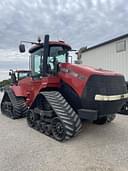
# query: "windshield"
{"type": "Point", "coordinates": [57, 55]}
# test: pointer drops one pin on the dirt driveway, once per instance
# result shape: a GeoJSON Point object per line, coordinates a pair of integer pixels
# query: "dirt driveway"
{"type": "Point", "coordinates": [96, 148]}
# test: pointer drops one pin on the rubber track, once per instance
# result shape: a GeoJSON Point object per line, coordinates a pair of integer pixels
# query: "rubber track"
{"type": "Point", "coordinates": [18, 104]}
{"type": "Point", "coordinates": [64, 111]}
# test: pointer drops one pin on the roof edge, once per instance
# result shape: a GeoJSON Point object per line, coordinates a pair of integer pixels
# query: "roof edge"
{"type": "Point", "coordinates": [104, 43]}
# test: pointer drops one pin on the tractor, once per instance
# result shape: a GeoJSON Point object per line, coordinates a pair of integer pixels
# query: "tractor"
{"type": "Point", "coordinates": [18, 75]}
{"type": "Point", "coordinates": [57, 96]}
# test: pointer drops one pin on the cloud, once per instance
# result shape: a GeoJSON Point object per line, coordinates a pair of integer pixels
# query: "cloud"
{"type": "Point", "coordinates": [79, 23]}
{"type": "Point", "coordinates": [12, 59]}
{"type": "Point", "coordinates": [4, 75]}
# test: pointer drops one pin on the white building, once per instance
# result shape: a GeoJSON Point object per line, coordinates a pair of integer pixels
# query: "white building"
{"type": "Point", "coordinates": [110, 55]}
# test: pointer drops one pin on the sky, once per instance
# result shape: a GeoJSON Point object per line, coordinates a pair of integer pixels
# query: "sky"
{"type": "Point", "coordinates": [77, 22]}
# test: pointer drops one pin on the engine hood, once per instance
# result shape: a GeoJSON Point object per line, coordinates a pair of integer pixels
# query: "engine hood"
{"type": "Point", "coordinates": [88, 70]}
{"type": "Point", "coordinates": [77, 76]}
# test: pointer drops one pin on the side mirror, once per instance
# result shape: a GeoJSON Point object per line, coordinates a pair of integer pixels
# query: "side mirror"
{"type": "Point", "coordinates": [10, 72]}
{"type": "Point", "coordinates": [22, 48]}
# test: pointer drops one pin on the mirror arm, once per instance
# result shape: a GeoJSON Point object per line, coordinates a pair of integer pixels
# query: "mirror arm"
{"type": "Point", "coordinates": [29, 42]}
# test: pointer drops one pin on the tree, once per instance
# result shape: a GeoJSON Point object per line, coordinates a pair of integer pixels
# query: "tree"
{"type": "Point", "coordinates": [4, 83]}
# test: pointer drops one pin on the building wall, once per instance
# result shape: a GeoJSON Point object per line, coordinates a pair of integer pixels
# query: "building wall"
{"type": "Point", "coordinates": [107, 57]}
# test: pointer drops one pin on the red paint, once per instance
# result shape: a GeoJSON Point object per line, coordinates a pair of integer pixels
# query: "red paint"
{"type": "Point", "coordinates": [30, 88]}
{"type": "Point", "coordinates": [77, 84]}
{"type": "Point", "coordinates": [54, 43]}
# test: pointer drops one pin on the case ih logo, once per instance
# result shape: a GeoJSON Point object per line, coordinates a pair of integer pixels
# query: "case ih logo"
{"type": "Point", "coordinates": [74, 74]}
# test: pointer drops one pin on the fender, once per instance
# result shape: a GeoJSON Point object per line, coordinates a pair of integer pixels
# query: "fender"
{"type": "Point", "coordinates": [18, 91]}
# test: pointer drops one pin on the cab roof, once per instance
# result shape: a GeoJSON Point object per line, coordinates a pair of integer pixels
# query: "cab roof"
{"type": "Point", "coordinates": [51, 43]}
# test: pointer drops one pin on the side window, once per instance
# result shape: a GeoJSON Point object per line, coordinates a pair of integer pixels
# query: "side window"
{"type": "Point", "coordinates": [61, 58]}
{"type": "Point", "coordinates": [23, 75]}
{"type": "Point", "coordinates": [37, 62]}
{"type": "Point", "coordinates": [36, 59]}
{"type": "Point", "coordinates": [121, 46]}
{"type": "Point", "coordinates": [57, 55]}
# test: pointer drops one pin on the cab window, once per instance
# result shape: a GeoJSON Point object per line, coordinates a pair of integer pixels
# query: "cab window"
{"type": "Point", "coordinates": [57, 55]}
{"type": "Point", "coordinates": [58, 52]}
{"type": "Point", "coordinates": [22, 75]}
{"type": "Point", "coordinates": [36, 63]}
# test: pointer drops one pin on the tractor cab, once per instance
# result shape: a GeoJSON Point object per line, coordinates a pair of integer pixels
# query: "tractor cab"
{"type": "Point", "coordinates": [18, 75]}
{"type": "Point", "coordinates": [46, 57]}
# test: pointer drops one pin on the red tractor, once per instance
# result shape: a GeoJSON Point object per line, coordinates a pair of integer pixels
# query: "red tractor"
{"type": "Point", "coordinates": [56, 95]}
{"type": "Point", "coordinates": [18, 75]}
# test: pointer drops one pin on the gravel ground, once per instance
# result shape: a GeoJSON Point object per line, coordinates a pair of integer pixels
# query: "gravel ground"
{"type": "Point", "coordinates": [96, 148]}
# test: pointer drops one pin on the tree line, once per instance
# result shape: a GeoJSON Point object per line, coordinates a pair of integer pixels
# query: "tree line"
{"type": "Point", "coordinates": [4, 83]}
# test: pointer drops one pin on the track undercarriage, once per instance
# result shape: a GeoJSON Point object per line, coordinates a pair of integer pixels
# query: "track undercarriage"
{"type": "Point", "coordinates": [53, 116]}
{"type": "Point", "coordinates": [50, 114]}
{"type": "Point", "coordinates": [12, 106]}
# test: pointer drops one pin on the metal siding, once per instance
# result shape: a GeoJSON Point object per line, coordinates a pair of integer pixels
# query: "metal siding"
{"type": "Point", "coordinates": [106, 57]}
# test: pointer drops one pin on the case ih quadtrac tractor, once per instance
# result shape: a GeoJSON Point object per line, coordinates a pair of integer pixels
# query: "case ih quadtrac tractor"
{"type": "Point", "coordinates": [57, 95]}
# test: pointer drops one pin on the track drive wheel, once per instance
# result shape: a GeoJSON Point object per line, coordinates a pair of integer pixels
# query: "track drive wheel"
{"type": "Point", "coordinates": [58, 129]}
{"type": "Point", "coordinates": [105, 119]}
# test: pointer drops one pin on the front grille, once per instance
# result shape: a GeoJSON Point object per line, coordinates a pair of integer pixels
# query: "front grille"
{"type": "Point", "coordinates": [103, 85]}
{"type": "Point", "coordinates": [108, 85]}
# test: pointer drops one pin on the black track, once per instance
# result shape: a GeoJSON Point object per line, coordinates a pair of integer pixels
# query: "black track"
{"type": "Point", "coordinates": [60, 121]}
{"type": "Point", "coordinates": [12, 106]}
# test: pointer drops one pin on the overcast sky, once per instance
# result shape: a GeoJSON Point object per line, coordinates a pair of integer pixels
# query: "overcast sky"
{"type": "Point", "coordinates": [78, 22]}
